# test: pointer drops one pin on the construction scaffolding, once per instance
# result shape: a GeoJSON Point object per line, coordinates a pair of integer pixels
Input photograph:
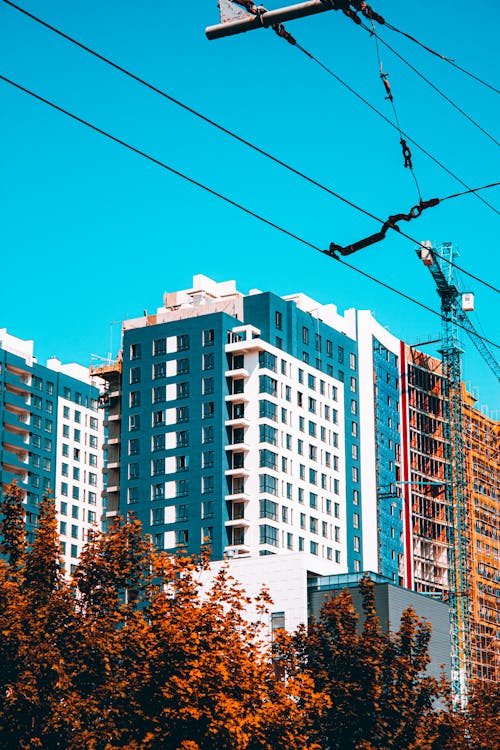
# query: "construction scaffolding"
{"type": "Point", "coordinates": [482, 445]}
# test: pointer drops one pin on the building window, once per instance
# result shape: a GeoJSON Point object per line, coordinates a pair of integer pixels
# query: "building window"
{"type": "Point", "coordinates": [182, 390]}
{"type": "Point", "coordinates": [305, 335]}
{"type": "Point", "coordinates": [352, 361]}
{"type": "Point", "coordinates": [312, 429]}
{"type": "Point", "coordinates": [181, 537]}
{"type": "Point", "coordinates": [157, 516]}
{"type": "Point", "coordinates": [135, 351]}
{"type": "Point", "coordinates": [267, 434]}
{"type": "Point", "coordinates": [268, 535]}
{"type": "Point", "coordinates": [337, 556]}
{"type": "Point", "coordinates": [133, 494]}
{"type": "Point", "coordinates": [207, 509]}
{"type": "Point", "coordinates": [267, 361]}
{"type": "Point", "coordinates": [182, 342]}
{"type": "Point", "coordinates": [157, 466]}
{"type": "Point", "coordinates": [356, 544]}
{"type": "Point", "coordinates": [159, 394]}
{"type": "Point", "coordinates": [340, 353]}
{"type": "Point", "coordinates": [268, 484]}
{"type": "Point", "coordinates": [158, 491]}
{"type": "Point", "coordinates": [181, 463]}
{"type": "Point", "coordinates": [208, 362]}
{"type": "Point", "coordinates": [355, 520]}
{"type": "Point", "coordinates": [208, 409]}
{"type": "Point", "coordinates": [133, 471]}
{"type": "Point", "coordinates": [313, 525]}
{"type": "Point", "coordinates": [135, 375]}
{"type": "Point", "coordinates": [267, 409]}
{"type": "Point", "coordinates": [269, 509]}
{"type": "Point", "coordinates": [134, 422]}
{"type": "Point", "coordinates": [182, 414]}
{"type": "Point", "coordinates": [208, 459]}
{"type": "Point", "coordinates": [208, 337]}
{"type": "Point", "coordinates": [182, 366]}
{"type": "Point", "coordinates": [267, 384]}
{"type": "Point", "coordinates": [182, 439]}
{"type": "Point", "coordinates": [207, 484]}
{"type": "Point", "coordinates": [278, 320]}
{"type": "Point", "coordinates": [314, 548]}
{"type": "Point", "coordinates": [159, 346]}
{"type": "Point", "coordinates": [207, 434]}
{"type": "Point", "coordinates": [313, 500]}
{"type": "Point", "coordinates": [135, 399]}
{"type": "Point", "coordinates": [208, 386]}
{"type": "Point", "coordinates": [181, 488]}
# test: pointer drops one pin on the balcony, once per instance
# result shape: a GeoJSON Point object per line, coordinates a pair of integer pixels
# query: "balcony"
{"type": "Point", "coordinates": [14, 424]}
{"type": "Point", "coordinates": [14, 457]}
{"type": "Point", "coordinates": [16, 440]}
{"type": "Point", "coordinates": [8, 476]}
{"type": "Point", "coordinates": [242, 422]}
{"type": "Point", "coordinates": [237, 472]}
{"type": "Point", "coordinates": [236, 550]}
{"type": "Point", "coordinates": [233, 523]}
{"type": "Point", "coordinates": [11, 470]}
{"type": "Point", "coordinates": [243, 447]}
{"type": "Point", "coordinates": [16, 383]}
{"type": "Point", "coordinates": [16, 403]}
{"type": "Point", "coordinates": [239, 372]}
{"type": "Point", "coordinates": [237, 398]}
{"type": "Point", "coordinates": [238, 497]}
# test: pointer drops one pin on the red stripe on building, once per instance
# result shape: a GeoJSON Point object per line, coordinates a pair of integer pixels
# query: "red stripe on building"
{"type": "Point", "coordinates": [405, 466]}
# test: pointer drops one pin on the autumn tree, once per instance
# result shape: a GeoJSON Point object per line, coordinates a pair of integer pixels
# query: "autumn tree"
{"type": "Point", "coordinates": [12, 528]}
{"type": "Point", "coordinates": [380, 696]}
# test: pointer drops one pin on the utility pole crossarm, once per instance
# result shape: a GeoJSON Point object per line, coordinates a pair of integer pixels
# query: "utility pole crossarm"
{"type": "Point", "coordinates": [267, 18]}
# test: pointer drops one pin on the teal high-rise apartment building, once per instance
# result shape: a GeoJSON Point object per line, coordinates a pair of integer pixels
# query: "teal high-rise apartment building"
{"type": "Point", "coordinates": [51, 438]}
{"type": "Point", "coordinates": [235, 420]}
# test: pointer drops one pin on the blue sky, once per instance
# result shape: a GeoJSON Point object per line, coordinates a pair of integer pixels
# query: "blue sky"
{"type": "Point", "coordinates": [91, 234]}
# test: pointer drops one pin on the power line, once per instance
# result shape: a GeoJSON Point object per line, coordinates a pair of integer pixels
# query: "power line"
{"type": "Point", "coordinates": [393, 125]}
{"type": "Point", "coordinates": [231, 133]}
{"type": "Point", "coordinates": [221, 196]}
{"type": "Point", "coordinates": [443, 57]}
{"type": "Point", "coordinates": [372, 32]}
{"type": "Point", "coordinates": [280, 30]}
{"type": "Point", "coordinates": [237, 137]}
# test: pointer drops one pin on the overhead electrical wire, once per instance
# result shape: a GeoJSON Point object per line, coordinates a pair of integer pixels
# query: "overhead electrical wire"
{"type": "Point", "coordinates": [237, 137]}
{"type": "Point", "coordinates": [442, 57]}
{"type": "Point", "coordinates": [280, 30]}
{"type": "Point", "coordinates": [474, 122]}
{"type": "Point", "coordinates": [359, 96]}
{"type": "Point", "coordinates": [225, 198]}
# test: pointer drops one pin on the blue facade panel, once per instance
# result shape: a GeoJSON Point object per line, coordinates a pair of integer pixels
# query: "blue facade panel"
{"type": "Point", "coordinates": [389, 498]}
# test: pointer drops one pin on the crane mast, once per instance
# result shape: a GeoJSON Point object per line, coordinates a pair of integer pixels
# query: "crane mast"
{"type": "Point", "coordinates": [455, 488]}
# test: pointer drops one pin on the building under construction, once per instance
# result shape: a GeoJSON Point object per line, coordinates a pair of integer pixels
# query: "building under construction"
{"type": "Point", "coordinates": [482, 444]}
